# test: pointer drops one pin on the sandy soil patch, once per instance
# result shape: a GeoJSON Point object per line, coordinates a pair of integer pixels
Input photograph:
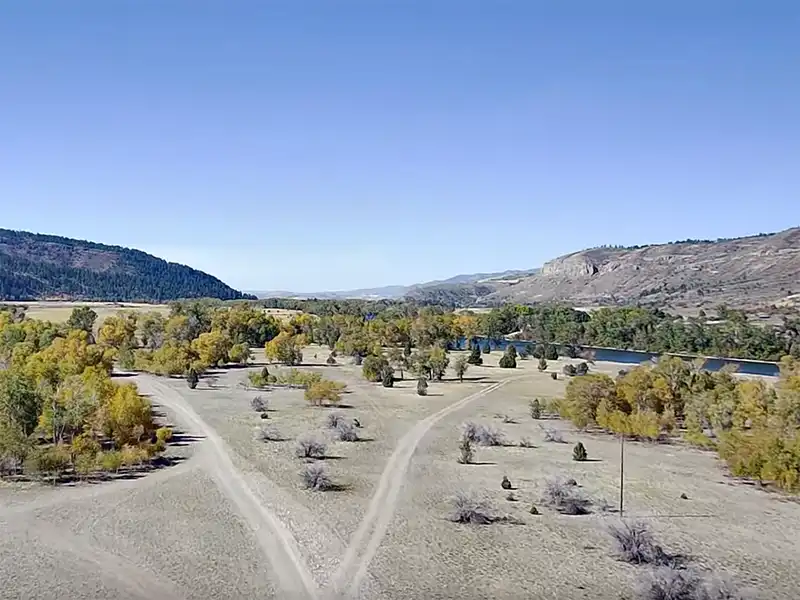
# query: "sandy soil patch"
{"type": "Point", "coordinates": [59, 312]}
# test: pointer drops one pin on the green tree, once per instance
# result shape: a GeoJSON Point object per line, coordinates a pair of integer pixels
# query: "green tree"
{"type": "Point", "coordinates": [551, 352]}
{"type": "Point", "coordinates": [460, 366]}
{"type": "Point", "coordinates": [82, 318]}
{"type": "Point", "coordinates": [509, 358]}
{"type": "Point", "coordinates": [373, 367]}
{"type": "Point", "coordinates": [475, 356]}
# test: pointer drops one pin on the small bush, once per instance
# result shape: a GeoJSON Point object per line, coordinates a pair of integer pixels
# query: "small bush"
{"type": "Point", "coordinates": [483, 435]}
{"type": "Point", "coordinates": [331, 360]}
{"type": "Point", "coordinates": [357, 360]}
{"type": "Point", "coordinates": [315, 477]}
{"type": "Point", "coordinates": [471, 510]}
{"type": "Point", "coordinates": [526, 442]}
{"type": "Point", "coordinates": [163, 434]}
{"type": "Point", "coordinates": [542, 365]}
{"type": "Point", "coordinates": [551, 352]}
{"type": "Point", "coordinates": [475, 356]}
{"type": "Point", "coordinates": [374, 367]}
{"type": "Point", "coordinates": [324, 392]}
{"type": "Point", "coordinates": [310, 446]}
{"type": "Point", "coordinates": [582, 369]}
{"type": "Point", "coordinates": [569, 370]}
{"type": "Point", "coordinates": [465, 451]}
{"type": "Point", "coordinates": [579, 452]}
{"type": "Point", "coordinates": [507, 361]}
{"type": "Point", "coordinates": [554, 375]}
{"type": "Point", "coordinates": [635, 544]}
{"type": "Point", "coordinates": [267, 433]}
{"type": "Point", "coordinates": [346, 432]}
{"type": "Point", "coordinates": [192, 378]}
{"type": "Point", "coordinates": [259, 404]}
{"type": "Point", "coordinates": [564, 497]}
{"type": "Point", "coordinates": [535, 408]}
{"type": "Point", "coordinates": [388, 378]}
{"type": "Point", "coordinates": [422, 387]}
{"type": "Point", "coordinates": [487, 349]}
{"type": "Point", "coordinates": [553, 435]}
{"type": "Point", "coordinates": [334, 419]}
{"type": "Point", "coordinates": [666, 583]}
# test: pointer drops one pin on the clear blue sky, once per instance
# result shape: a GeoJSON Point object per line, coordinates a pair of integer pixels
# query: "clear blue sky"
{"type": "Point", "coordinates": [313, 145]}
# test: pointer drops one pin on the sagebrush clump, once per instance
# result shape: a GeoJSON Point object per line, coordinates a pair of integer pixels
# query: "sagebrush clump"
{"type": "Point", "coordinates": [311, 446]}
{"type": "Point", "coordinates": [346, 432]}
{"type": "Point", "coordinates": [267, 433]}
{"type": "Point", "coordinates": [469, 509]}
{"type": "Point", "coordinates": [334, 419]}
{"type": "Point", "coordinates": [579, 452]}
{"type": "Point", "coordinates": [634, 543]}
{"type": "Point", "coordinates": [481, 434]}
{"type": "Point", "coordinates": [259, 404]}
{"type": "Point", "coordinates": [564, 497]}
{"type": "Point", "coordinates": [465, 451]}
{"type": "Point", "coordinates": [315, 477]}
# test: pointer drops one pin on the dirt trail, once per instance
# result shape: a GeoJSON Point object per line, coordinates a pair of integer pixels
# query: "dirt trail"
{"type": "Point", "coordinates": [294, 579]}
{"type": "Point", "coordinates": [381, 508]}
{"type": "Point", "coordinates": [140, 582]}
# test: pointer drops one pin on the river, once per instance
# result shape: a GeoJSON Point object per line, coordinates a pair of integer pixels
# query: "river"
{"type": "Point", "coordinates": [635, 357]}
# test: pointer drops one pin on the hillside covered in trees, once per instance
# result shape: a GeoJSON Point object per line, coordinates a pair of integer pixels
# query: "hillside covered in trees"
{"type": "Point", "coordinates": [35, 266]}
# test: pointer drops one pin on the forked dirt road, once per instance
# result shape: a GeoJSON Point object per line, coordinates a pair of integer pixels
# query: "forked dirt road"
{"type": "Point", "coordinates": [352, 569]}
{"type": "Point", "coordinates": [279, 546]}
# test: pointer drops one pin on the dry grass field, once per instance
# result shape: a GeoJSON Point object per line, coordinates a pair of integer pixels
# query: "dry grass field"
{"type": "Point", "coordinates": [232, 520]}
{"type": "Point", "coordinates": [59, 311]}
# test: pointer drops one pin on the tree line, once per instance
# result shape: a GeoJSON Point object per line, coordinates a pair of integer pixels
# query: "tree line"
{"type": "Point", "coordinates": [754, 426]}
{"type": "Point", "coordinates": [61, 414]}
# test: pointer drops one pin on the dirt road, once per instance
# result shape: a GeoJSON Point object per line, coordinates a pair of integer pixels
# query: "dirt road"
{"type": "Point", "coordinates": [352, 569]}
{"type": "Point", "coordinates": [294, 579]}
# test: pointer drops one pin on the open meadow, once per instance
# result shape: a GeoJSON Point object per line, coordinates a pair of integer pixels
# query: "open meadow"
{"type": "Point", "coordinates": [232, 519]}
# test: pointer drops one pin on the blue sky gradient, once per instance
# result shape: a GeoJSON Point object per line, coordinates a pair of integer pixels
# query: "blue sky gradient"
{"type": "Point", "coordinates": [313, 145]}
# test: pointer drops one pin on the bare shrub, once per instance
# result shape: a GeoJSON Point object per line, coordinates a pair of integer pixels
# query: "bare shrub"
{"type": "Point", "coordinates": [553, 435]}
{"type": "Point", "coordinates": [315, 477]}
{"type": "Point", "coordinates": [310, 446]}
{"type": "Point", "coordinates": [259, 404]}
{"type": "Point", "coordinates": [634, 543]}
{"type": "Point", "coordinates": [346, 432]}
{"type": "Point", "coordinates": [483, 435]}
{"type": "Point", "coordinates": [470, 509]}
{"type": "Point", "coordinates": [526, 442]}
{"type": "Point", "coordinates": [564, 497]}
{"type": "Point", "coordinates": [722, 588]}
{"type": "Point", "coordinates": [665, 583]}
{"type": "Point", "coordinates": [267, 433]}
{"type": "Point", "coordinates": [334, 419]}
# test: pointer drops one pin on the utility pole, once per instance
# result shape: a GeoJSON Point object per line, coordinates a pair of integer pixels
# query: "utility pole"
{"type": "Point", "coordinates": [621, 472]}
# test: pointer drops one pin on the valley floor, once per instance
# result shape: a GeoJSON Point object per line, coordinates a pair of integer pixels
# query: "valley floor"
{"type": "Point", "coordinates": [233, 521]}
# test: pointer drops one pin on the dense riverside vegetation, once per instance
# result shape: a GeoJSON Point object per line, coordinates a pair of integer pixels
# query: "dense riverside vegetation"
{"type": "Point", "coordinates": [35, 266]}
{"type": "Point", "coordinates": [728, 333]}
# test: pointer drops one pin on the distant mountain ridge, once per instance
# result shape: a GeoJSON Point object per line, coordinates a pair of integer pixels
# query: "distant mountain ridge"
{"type": "Point", "coordinates": [747, 272]}
{"type": "Point", "coordinates": [35, 266]}
{"type": "Point", "coordinates": [393, 292]}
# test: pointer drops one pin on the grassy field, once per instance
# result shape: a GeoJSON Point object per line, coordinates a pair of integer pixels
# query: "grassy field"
{"type": "Point", "coordinates": [59, 312]}
{"type": "Point", "coordinates": [234, 521]}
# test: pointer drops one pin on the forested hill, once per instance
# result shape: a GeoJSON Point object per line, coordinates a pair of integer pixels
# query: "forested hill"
{"type": "Point", "coordinates": [35, 266]}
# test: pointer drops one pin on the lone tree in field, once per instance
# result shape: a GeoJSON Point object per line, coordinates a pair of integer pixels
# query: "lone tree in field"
{"type": "Point", "coordinates": [509, 359]}
{"type": "Point", "coordinates": [579, 452]}
{"type": "Point", "coordinates": [535, 408]}
{"type": "Point", "coordinates": [460, 366]}
{"type": "Point", "coordinates": [373, 368]}
{"type": "Point", "coordinates": [192, 378]}
{"type": "Point", "coordinates": [422, 387]}
{"type": "Point", "coordinates": [475, 356]}
{"type": "Point", "coordinates": [542, 364]}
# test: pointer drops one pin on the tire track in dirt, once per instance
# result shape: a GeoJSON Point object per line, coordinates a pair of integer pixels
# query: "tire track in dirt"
{"type": "Point", "coordinates": [141, 582]}
{"type": "Point", "coordinates": [294, 579]}
{"type": "Point", "coordinates": [384, 499]}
